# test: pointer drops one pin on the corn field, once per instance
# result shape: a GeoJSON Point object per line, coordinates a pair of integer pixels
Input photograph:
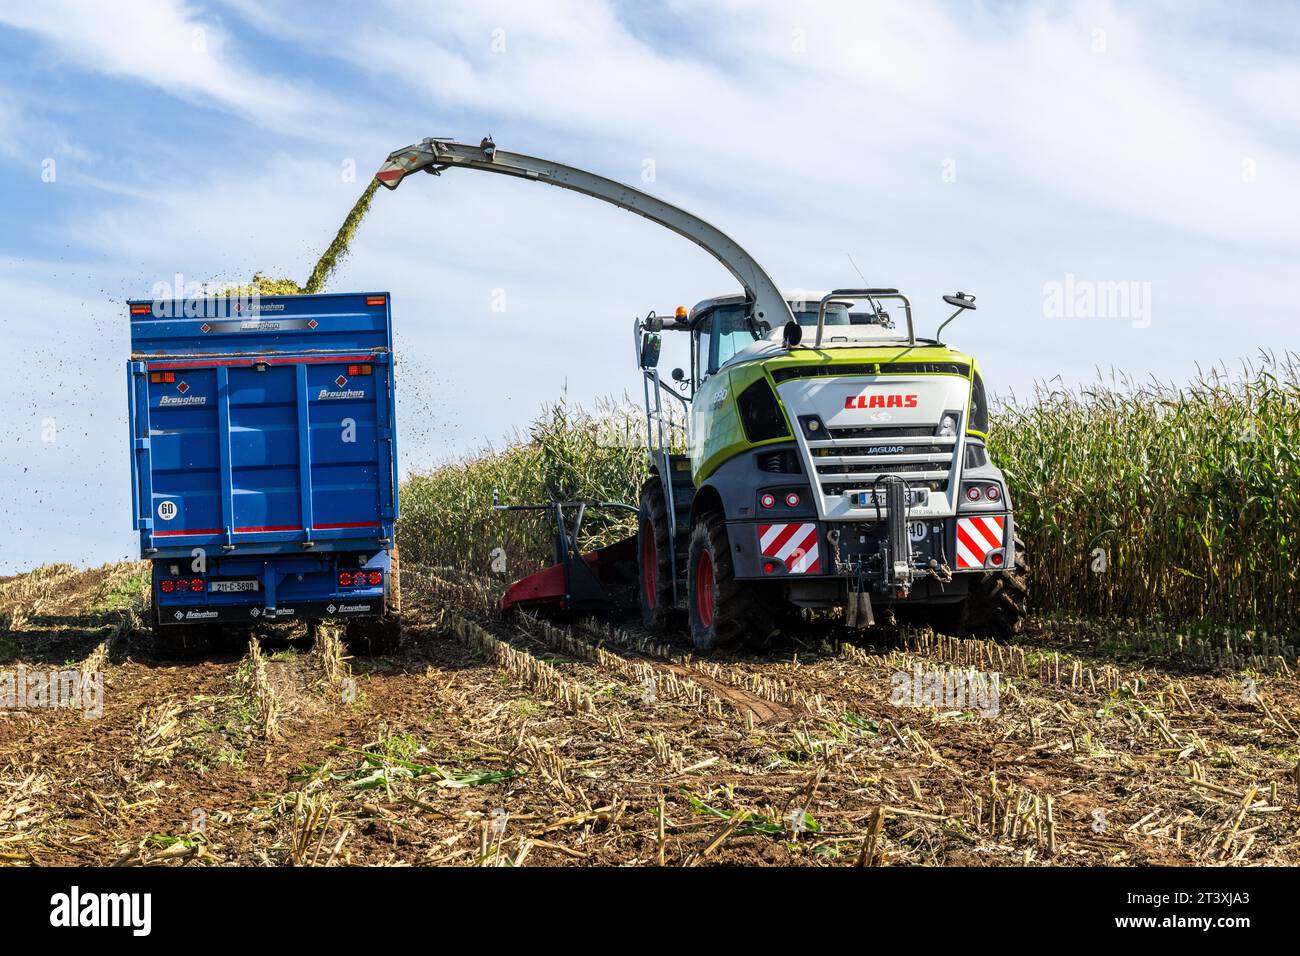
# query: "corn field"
{"type": "Point", "coordinates": [1140, 501]}
{"type": "Point", "coordinates": [568, 453]}
{"type": "Point", "coordinates": [1157, 501]}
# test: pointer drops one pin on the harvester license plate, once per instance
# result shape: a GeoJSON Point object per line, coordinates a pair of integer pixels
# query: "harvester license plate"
{"type": "Point", "coordinates": [228, 587]}
{"type": "Point", "coordinates": [868, 499]}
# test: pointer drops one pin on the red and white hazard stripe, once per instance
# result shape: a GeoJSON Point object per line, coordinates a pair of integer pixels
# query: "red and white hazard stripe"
{"type": "Point", "coordinates": [976, 537]}
{"type": "Point", "coordinates": [794, 545]}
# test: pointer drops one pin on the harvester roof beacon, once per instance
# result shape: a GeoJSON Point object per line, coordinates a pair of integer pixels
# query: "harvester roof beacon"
{"type": "Point", "coordinates": [844, 469]}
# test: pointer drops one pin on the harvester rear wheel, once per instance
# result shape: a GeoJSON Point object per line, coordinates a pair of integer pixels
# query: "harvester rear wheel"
{"type": "Point", "coordinates": [654, 558]}
{"type": "Point", "coordinates": [722, 609]}
{"type": "Point", "coordinates": [995, 606]}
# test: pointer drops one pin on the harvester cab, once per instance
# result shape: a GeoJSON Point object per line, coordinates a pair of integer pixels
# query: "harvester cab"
{"type": "Point", "coordinates": [816, 455]}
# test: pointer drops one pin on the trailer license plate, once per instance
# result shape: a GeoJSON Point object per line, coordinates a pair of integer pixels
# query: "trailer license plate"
{"type": "Point", "coordinates": [228, 587]}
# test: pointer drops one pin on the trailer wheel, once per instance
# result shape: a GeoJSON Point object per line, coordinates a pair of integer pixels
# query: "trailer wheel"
{"type": "Point", "coordinates": [722, 609]}
{"type": "Point", "coordinates": [654, 558]}
{"type": "Point", "coordinates": [231, 638]}
{"type": "Point", "coordinates": [373, 636]}
{"type": "Point", "coordinates": [393, 595]}
{"type": "Point", "coordinates": [995, 606]}
{"type": "Point", "coordinates": [182, 642]}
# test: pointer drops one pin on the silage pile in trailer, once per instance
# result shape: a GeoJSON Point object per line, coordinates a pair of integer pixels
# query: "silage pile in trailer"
{"type": "Point", "coordinates": [325, 265]}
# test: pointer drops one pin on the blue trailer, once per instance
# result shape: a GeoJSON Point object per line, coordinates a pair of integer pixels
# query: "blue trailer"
{"type": "Point", "coordinates": [264, 465]}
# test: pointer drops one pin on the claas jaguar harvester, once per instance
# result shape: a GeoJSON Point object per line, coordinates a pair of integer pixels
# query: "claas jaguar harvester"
{"type": "Point", "coordinates": [833, 458]}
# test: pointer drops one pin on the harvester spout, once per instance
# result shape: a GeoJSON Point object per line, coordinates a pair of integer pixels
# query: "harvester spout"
{"type": "Point", "coordinates": [408, 160]}
{"type": "Point", "coordinates": [433, 155]}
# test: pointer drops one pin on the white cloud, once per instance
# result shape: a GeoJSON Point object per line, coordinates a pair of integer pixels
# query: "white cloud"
{"type": "Point", "coordinates": [166, 44]}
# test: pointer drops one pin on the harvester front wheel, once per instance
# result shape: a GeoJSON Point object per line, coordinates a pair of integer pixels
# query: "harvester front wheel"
{"type": "Point", "coordinates": [654, 558]}
{"type": "Point", "coordinates": [995, 606]}
{"type": "Point", "coordinates": [722, 609]}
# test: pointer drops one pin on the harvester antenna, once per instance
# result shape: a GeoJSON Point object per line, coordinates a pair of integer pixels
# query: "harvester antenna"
{"type": "Point", "coordinates": [865, 284]}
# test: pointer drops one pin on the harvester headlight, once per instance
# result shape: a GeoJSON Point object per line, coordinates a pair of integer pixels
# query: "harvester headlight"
{"type": "Point", "coordinates": [948, 426]}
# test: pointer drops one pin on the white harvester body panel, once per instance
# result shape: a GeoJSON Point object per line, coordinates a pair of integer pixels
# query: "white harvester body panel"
{"type": "Point", "coordinates": [877, 425]}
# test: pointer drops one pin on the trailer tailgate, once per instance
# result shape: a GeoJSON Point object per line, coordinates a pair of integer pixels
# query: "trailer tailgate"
{"type": "Point", "coordinates": [260, 435]}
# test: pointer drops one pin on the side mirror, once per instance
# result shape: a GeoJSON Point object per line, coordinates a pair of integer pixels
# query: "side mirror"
{"type": "Point", "coordinates": [792, 335]}
{"type": "Point", "coordinates": [962, 301]}
{"type": "Point", "coordinates": [650, 345]}
{"type": "Point", "coordinates": [678, 375]}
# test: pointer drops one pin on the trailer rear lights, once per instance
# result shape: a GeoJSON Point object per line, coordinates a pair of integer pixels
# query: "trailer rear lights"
{"type": "Point", "coordinates": [792, 500]}
{"type": "Point", "coordinates": [375, 300]}
{"type": "Point", "coordinates": [355, 370]}
{"type": "Point", "coordinates": [767, 501]}
{"type": "Point", "coordinates": [162, 378]}
{"type": "Point", "coordinates": [360, 579]}
{"type": "Point", "coordinates": [178, 585]}
{"type": "Point", "coordinates": [139, 310]}
{"type": "Point", "coordinates": [973, 493]}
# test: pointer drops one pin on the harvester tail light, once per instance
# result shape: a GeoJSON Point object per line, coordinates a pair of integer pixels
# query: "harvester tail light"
{"type": "Point", "coordinates": [995, 559]}
{"type": "Point", "coordinates": [973, 493]}
{"type": "Point", "coordinates": [767, 501]}
{"type": "Point", "coordinates": [792, 500]}
{"type": "Point", "coordinates": [992, 493]}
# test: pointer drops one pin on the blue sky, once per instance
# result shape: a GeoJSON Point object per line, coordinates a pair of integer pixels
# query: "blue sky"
{"type": "Point", "coordinates": [1000, 148]}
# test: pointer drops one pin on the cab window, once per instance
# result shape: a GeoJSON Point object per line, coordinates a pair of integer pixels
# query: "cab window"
{"type": "Point", "coordinates": [979, 407]}
{"type": "Point", "coordinates": [731, 334]}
